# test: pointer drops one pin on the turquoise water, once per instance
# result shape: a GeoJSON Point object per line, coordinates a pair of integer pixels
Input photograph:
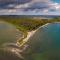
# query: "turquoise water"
{"type": "Point", "coordinates": [45, 43]}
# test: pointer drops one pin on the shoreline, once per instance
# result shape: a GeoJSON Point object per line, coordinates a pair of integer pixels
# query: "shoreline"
{"type": "Point", "coordinates": [24, 40]}
{"type": "Point", "coordinates": [29, 34]}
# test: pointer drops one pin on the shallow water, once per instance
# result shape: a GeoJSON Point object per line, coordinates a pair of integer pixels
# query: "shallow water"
{"type": "Point", "coordinates": [7, 33]}
{"type": "Point", "coordinates": [8, 39]}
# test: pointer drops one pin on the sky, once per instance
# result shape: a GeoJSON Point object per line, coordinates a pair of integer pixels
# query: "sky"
{"type": "Point", "coordinates": [29, 7]}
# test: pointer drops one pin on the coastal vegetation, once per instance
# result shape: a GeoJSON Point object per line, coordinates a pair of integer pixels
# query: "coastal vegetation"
{"type": "Point", "coordinates": [26, 23]}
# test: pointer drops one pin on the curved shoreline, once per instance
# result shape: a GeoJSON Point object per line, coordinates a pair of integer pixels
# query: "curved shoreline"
{"type": "Point", "coordinates": [24, 40]}
{"type": "Point", "coordinates": [29, 34]}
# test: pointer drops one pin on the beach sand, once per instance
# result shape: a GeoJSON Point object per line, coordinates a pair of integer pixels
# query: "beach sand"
{"type": "Point", "coordinates": [29, 34]}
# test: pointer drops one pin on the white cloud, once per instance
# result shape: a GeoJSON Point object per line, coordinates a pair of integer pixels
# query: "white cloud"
{"type": "Point", "coordinates": [33, 7]}
{"type": "Point", "coordinates": [42, 4]}
{"type": "Point", "coordinates": [22, 6]}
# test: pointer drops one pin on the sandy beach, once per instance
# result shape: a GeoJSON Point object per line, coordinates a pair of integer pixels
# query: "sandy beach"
{"type": "Point", "coordinates": [29, 34]}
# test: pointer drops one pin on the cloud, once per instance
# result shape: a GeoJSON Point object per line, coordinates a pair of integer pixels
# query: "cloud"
{"type": "Point", "coordinates": [30, 6]}
{"type": "Point", "coordinates": [40, 5]}
{"type": "Point", "coordinates": [24, 1]}
{"type": "Point", "coordinates": [9, 4]}
{"type": "Point", "coordinates": [17, 1]}
{"type": "Point", "coordinates": [7, 1]}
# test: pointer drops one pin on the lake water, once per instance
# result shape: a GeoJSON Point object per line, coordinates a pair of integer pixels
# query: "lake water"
{"type": "Point", "coordinates": [8, 39]}
{"type": "Point", "coordinates": [45, 43]}
{"type": "Point", "coordinates": [7, 33]}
